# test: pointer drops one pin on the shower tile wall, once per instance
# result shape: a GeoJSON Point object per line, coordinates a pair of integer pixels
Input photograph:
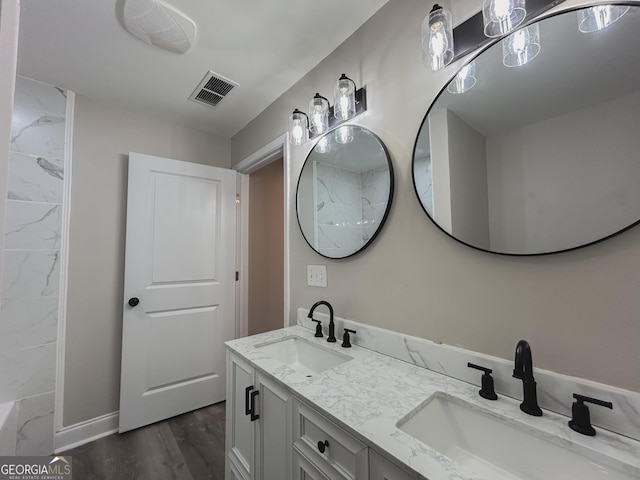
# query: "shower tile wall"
{"type": "Point", "coordinates": [375, 196]}
{"type": "Point", "coordinates": [349, 207]}
{"type": "Point", "coordinates": [29, 306]}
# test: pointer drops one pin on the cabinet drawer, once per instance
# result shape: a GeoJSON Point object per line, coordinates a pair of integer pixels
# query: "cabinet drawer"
{"type": "Point", "coordinates": [343, 453]}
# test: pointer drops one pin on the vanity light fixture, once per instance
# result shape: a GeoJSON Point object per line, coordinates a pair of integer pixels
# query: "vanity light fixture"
{"type": "Point", "coordinates": [600, 16]}
{"type": "Point", "coordinates": [437, 38]}
{"type": "Point", "coordinates": [323, 145]}
{"type": "Point", "coordinates": [298, 127]}
{"type": "Point", "coordinates": [344, 134]}
{"type": "Point", "coordinates": [507, 15]}
{"type": "Point", "coordinates": [349, 102]}
{"type": "Point", "coordinates": [521, 47]}
{"type": "Point", "coordinates": [464, 80]}
{"type": "Point", "coordinates": [344, 98]}
{"type": "Point", "coordinates": [502, 16]}
{"type": "Point", "coordinates": [319, 112]}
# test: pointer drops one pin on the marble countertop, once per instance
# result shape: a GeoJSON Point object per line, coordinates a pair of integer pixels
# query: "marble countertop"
{"type": "Point", "coordinates": [370, 394]}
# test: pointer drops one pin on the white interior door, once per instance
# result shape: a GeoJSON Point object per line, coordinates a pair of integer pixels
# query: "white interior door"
{"type": "Point", "coordinates": [179, 288]}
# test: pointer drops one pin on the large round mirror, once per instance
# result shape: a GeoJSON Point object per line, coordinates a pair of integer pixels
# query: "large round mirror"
{"type": "Point", "coordinates": [344, 191]}
{"type": "Point", "coordinates": [535, 148]}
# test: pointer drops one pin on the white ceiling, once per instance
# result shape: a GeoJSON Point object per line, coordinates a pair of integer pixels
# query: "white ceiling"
{"type": "Point", "coordinates": [264, 46]}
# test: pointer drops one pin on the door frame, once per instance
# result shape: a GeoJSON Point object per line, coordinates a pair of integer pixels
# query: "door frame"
{"type": "Point", "coordinates": [272, 151]}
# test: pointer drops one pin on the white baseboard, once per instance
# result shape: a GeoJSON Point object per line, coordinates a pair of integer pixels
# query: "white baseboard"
{"type": "Point", "coordinates": [85, 432]}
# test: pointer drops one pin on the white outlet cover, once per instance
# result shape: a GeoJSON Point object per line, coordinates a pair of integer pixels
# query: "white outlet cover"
{"type": "Point", "coordinates": [317, 275]}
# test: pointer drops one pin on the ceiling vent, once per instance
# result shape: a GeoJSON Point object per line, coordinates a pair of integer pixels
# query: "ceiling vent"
{"type": "Point", "coordinates": [212, 89]}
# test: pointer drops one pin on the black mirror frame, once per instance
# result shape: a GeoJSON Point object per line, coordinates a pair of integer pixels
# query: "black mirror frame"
{"type": "Point", "coordinates": [424, 120]}
{"type": "Point", "coordinates": [386, 212]}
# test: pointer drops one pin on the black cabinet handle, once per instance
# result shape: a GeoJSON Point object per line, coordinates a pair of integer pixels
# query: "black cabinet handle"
{"type": "Point", "coordinates": [322, 446]}
{"type": "Point", "coordinates": [253, 395]}
{"type": "Point", "coordinates": [247, 408]}
{"type": "Point", "coordinates": [133, 301]}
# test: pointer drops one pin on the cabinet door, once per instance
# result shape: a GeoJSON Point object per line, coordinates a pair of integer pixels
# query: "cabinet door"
{"type": "Point", "coordinates": [303, 469]}
{"type": "Point", "coordinates": [240, 434]}
{"type": "Point", "coordinates": [274, 431]}
{"type": "Point", "coordinates": [382, 469]}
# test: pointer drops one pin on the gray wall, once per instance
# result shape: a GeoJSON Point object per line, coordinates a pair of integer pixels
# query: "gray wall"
{"type": "Point", "coordinates": [468, 165]}
{"type": "Point", "coordinates": [103, 138]}
{"type": "Point", "coordinates": [579, 310]}
{"type": "Point", "coordinates": [440, 168]}
{"type": "Point", "coordinates": [594, 154]}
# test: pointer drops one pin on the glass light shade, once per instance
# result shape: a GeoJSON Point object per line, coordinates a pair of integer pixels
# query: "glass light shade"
{"type": "Point", "coordinates": [502, 16]}
{"type": "Point", "coordinates": [323, 145]}
{"type": "Point", "coordinates": [318, 114]}
{"type": "Point", "coordinates": [601, 16]}
{"type": "Point", "coordinates": [521, 47]}
{"type": "Point", "coordinates": [464, 80]}
{"type": "Point", "coordinates": [437, 39]}
{"type": "Point", "coordinates": [344, 134]}
{"type": "Point", "coordinates": [344, 98]}
{"type": "Point", "coordinates": [298, 131]}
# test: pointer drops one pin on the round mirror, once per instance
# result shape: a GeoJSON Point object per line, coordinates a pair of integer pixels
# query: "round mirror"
{"type": "Point", "coordinates": [344, 191]}
{"type": "Point", "coordinates": [534, 146]}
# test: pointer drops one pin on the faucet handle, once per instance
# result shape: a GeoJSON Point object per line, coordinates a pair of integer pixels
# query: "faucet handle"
{"type": "Point", "coordinates": [487, 391]}
{"type": "Point", "coordinates": [318, 328]}
{"type": "Point", "coordinates": [346, 341]}
{"type": "Point", "coordinates": [580, 417]}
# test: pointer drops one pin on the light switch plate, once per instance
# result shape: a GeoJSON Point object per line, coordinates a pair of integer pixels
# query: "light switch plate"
{"type": "Point", "coordinates": [317, 275]}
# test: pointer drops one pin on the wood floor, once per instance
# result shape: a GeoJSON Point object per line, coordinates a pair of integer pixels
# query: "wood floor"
{"type": "Point", "coordinates": [187, 447]}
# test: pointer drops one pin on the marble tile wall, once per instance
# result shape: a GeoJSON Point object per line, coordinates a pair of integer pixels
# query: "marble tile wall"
{"type": "Point", "coordinates": [31, 275]}
{"type": "Point", "coordinates": [349, 207]}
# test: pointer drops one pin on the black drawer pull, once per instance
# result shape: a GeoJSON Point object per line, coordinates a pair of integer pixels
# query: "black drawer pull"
{"type": "Point", "coordinates": [322, 446]}
{"type": "Point", "coordinates": [247, 408]}
{"type": "Point", "coordinates": [254, 416]}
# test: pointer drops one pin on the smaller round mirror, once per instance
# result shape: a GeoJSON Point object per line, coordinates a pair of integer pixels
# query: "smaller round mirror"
{"type": "Point", "coordinates": [344, 191]}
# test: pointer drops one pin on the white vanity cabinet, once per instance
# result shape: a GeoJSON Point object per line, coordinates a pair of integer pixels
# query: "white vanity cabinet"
{"type": "Point", "coordinates": [383, 469]}
{"type": "Point", "coordinates": [272, 435]}
{"type": "Point", "coordinates": [258, 433]}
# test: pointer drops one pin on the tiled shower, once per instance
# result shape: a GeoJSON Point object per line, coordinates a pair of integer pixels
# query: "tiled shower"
{"type": "Point", "coordinates": [31, 276]}
{"type": "Point", "coordinates": [349, 207]}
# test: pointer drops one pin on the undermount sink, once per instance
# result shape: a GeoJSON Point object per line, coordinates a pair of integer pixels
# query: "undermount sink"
{"type": "Point", "coordinates": [302, 355]}
{"type": "Point", "coordinates": [495, 449]}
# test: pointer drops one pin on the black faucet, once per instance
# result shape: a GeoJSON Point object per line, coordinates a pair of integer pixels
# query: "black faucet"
{"type": "Point", "coordinates": [332, 326]}
{"type": "Point", "coordinates": [523, 370]}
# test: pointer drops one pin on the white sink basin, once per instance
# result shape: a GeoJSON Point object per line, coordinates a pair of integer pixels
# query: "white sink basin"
{"type": "Point", "coordinates": [302, 355]}
{"type": "Point", "coordinates": [496, 450]}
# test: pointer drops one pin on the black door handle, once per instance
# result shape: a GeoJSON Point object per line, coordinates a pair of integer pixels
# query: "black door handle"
{"type": "Point", "coordinates": [254, 416]}
{"type": "Point", "coordinates": [247, 408]}
{"type": "Point", "coordinates": [133, 301]}
{"type": "Point", "coordinates": [322, 446]}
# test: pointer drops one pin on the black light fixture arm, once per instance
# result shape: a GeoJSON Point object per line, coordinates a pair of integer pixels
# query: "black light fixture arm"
{"type": "Point", "coordinates": [317, 95]}
{"type": "Point", "coordinates": [300, 112]}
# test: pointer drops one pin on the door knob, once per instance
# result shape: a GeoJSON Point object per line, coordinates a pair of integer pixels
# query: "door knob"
{"type": "Point", "coordinates": [133, 301]}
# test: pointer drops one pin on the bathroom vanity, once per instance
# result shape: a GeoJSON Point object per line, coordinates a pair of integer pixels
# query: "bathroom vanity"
{"type": "Point", "coordinates": [301, 408]}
